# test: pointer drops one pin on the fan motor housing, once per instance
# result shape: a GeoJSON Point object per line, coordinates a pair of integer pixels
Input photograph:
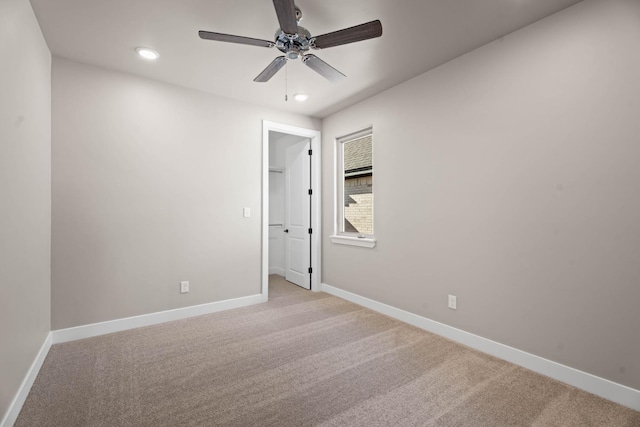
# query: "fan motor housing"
{"type": "Point", "coordinates": [293, 46]}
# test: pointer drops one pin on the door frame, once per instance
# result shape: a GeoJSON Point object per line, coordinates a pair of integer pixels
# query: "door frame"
{"type": "Point", "coordinates": [316, 223]}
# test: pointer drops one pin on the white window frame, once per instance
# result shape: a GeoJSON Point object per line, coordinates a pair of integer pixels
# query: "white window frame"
{"type": "Point", "coordinates": [341, 237]}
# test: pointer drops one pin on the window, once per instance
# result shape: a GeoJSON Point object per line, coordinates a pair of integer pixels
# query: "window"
{"type": "Point", "coordinates": [354, 223]}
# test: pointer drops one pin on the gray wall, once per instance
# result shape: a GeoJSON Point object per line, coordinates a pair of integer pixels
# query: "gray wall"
{"type": "Point", "coordinates": [510, 177]}
{"type": "Point", "coordinates": [149, 183]}
{"type": "Point", "coordinates": [25, 194]}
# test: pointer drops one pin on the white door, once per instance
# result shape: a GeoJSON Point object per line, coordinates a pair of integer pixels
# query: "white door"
{"type": "Point", "coordinates": [297, 215]}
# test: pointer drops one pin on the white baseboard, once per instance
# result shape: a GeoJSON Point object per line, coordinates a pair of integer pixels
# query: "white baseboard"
{"type": "Point", "coordinates": [276, 270]}
{"type": "Point", "coordinates": [14, 409]}
{"type": "Point", "coordinates": [604, 388]}
{"type": "Point", "coordinates": [95, 329]}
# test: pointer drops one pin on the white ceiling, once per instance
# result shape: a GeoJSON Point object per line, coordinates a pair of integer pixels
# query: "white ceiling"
{"type": "Point", "coordinates": [418, 35]}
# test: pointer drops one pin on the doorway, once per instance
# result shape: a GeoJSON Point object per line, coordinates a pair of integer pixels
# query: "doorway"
{"type": "Point", "coordinates": [291, 205]}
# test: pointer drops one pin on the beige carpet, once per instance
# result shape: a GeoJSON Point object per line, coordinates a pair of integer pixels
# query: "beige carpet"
{"type": "Point", "coordinates": [302, 359]}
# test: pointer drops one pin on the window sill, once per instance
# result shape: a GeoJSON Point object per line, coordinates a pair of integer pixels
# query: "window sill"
{"type": "Point", "coordinates": [366, 242]}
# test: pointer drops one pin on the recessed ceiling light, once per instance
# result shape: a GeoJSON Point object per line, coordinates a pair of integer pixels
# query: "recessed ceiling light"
{"type": "Point", "coordinates": [148, 53]}
{"type": "Point", "coordinates": [300, 97]}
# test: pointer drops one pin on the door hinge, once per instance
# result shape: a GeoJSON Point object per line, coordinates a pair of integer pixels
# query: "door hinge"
{"type": "Point", "coordinates": [310, 230]}
{"type": "Point", "coordinates": [310, 270]}
{"type": "Point", "coordinates": [310, 152]}
{"type": "Point", "coordinates": [310, 192]}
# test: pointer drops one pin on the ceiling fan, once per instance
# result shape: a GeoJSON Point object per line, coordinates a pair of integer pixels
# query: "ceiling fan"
{"type": "Point", "coordinates": [294, 41]}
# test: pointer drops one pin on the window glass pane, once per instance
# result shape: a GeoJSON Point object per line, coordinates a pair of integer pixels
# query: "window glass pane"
{"type": "Point", "coordinates": [358, 185]}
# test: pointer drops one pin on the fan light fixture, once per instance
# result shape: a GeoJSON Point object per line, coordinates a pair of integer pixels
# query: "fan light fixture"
{"type": "Point", "coordinates": [300, 97]}
{"type": "Point", "coordinates": [148, 53]}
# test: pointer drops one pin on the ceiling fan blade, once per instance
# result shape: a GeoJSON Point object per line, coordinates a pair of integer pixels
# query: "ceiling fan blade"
{"type": "Point", "coordinates": [358, 33]}
{"type": "Point", "coordinates": [322, 68]}
{"type": "Point", "coordinates": [208, 35]}
{"type": "Point", "coordinates": [286, 11]}
{"type": "Point", "coordinates": [271, 69]}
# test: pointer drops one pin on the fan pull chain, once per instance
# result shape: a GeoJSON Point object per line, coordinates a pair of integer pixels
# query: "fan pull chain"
{"type": "Point", "coordinates": [286, 81]}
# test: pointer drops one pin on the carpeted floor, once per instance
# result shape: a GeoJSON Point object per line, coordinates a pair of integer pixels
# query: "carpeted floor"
{"type": "Point", "coordinates": [301, 359]}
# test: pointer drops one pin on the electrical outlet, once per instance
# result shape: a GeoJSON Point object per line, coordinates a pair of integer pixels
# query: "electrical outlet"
{"type": "Point", "coordinates": [184, 287]}
{"type": "Point", "coordinates": [453, 302]}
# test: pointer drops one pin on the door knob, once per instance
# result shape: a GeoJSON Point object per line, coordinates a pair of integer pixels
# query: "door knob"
{"type": "Point", "coordinates": [286, 230]}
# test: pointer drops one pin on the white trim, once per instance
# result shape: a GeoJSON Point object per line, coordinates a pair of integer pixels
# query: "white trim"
{"type": "Point", "coordinates": [604, 388]}
{"type": "Point", "coordinates": [95, 329]}
{"type": "Point", "coordinates": [339, 237]}
{"type": "Point", "coordinates": [316, 223]}
{"type": "Point", "coordinates": [16, 405]}
{"type": "Point", "coordinates": [363, 242]}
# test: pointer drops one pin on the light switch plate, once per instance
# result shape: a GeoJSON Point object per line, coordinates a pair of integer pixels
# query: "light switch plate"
{"type": "Point", "coordinates": [246, 212]}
